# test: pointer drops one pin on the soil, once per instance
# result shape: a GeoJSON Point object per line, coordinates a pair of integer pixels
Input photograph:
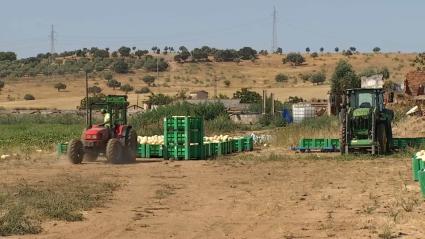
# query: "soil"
{"type": "Point", "coordinates": [248, 196]}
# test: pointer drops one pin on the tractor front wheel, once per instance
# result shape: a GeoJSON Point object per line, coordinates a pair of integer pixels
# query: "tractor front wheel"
{"type": "Point", "coordinates": [75, 151]}
{"type": "Point", "coordinates": [114, 151]}
{"type": "Point", "coordinates": [382, 139]}
{"type": "Point", "coordinates": [131, 149]}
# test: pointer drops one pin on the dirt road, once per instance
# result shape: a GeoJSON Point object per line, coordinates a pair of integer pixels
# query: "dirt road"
{"type": "Point", "coordinates": [237, 198]}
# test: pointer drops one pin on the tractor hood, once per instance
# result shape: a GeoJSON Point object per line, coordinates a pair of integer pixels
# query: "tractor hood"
{"type": "Point", "coordinates": [361, 112]}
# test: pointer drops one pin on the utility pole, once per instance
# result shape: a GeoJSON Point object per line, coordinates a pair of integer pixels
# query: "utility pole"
{"type": "Point", "coordinates": [274, 32]}
{"type": "Point", "coordinates": [87, 100]}
{"type": "Point", "coordinates": [52, 40]}
{"type": "Point", "coordinates": [215, 87]}
{"type": "Point", "coordinates": [264, 101]}
{"type": "Point", "coordinates": [157, 68]}
{"type": "Point", "coordinates": [272, 99]}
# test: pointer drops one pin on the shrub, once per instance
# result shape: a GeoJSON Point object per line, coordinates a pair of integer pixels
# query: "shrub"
{"type": "Point", "coordinates": [113, 83]}
{"type": "Point", "coordinates": [281, 77]}
{"type": "Point", "coordinates": [247, 53]}
{"type": "Point", "coordinates": [376, 49]}
{"type": "Point", "coordinates": [318, 78]}
{"type": "Point", "coordinates": [227, 83]}
{"type": "Point", "coordinates": [60, 86]}
{"type": "Point", "coordinates": [148, 79]}
{"type": "Point", "coordinates": [29, 97]}
{"type": "Point", "coordinates": [295, 58]}
{"type": "Point", "coordinates": [94, 90]}
{"type": "Point", "coordinates": [247, 96]}
{"type": "Point", "coordinates": [126, 88]}
{"type": "Point", "coordinates": [154, 64]}
{"type": "Point", "coordinates": [314, 54]}
{"type": "Point", "coordinates": [143, 90]}
{"type": "Point", "coordinates": [1, 84]}
{"type": "Point", "coordinates": [120, 66]}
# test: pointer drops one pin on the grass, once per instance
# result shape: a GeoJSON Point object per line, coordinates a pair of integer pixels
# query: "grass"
{"type": "Point", "coordinates": [321, 127]}
{"type": "Point", "coordinates": [24, 206]}
{"type": "Point", "coordinates": [28, 137]}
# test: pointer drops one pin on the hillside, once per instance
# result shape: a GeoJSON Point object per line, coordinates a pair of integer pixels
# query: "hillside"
{"type": "Point", "coordinates": [257, 75]}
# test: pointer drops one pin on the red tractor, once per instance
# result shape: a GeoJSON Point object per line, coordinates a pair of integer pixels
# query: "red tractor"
{"type": "Point", "coordinates": [114, 139]}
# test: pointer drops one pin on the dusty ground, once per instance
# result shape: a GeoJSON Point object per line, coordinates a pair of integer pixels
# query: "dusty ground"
{"type": "Point", "coordinates": [246, 196]}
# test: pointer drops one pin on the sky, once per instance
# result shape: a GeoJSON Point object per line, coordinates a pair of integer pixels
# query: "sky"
{"type": "Point", "coordinates": [392, 25]}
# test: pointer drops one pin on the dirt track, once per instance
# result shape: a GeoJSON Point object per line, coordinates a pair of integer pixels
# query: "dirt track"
{"type": "Point", "coordinates": [227, 198]}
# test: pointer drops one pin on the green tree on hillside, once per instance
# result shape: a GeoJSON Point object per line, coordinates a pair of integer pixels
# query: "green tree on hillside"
{"type": "Point", "coordinates": [344, 78]}
{"type": "Point", "coordinates": [318, 78]}
{"type": "Point", "coordinates": [336, 49]}
{"type": "Point", "coordinates": [60, 86]}
{"type": "Point", "coordinates": [113, 84]}
{"type": "Point", "coordinates": [120, 66]}
{"type": "Point", "coordinates": [148, 79]}
{"type": "Point", "coordinates": [307, 49]}
{"type": "Point", "coordinates": [126, 88]}
{"type": "Point", "coordinates": [279, 50]}
{"type": "Point", "coordinates": [124, 51]}
{"type": "Point", "coordinates": [199, 54]}
{"type": "Point", "coordinates": [94, 90]}
{"type": "Point", "coordinates": [7, 56]}
{"type": "Point", "coordinates": [247, 53]}
{"type": "Point", "coordinates": [247, 96]}
{"type": "Point", "coordinates": [321, 49]}
{"type": "Point", "coordinates": [376, 49]}
{"type": "Point", "coordinates": [295, 59]}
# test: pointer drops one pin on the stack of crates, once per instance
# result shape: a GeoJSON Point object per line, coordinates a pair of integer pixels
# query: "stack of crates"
{"type": "Point", "coordinates": [183, 137]}
{"type": "Point", "coordinates": [150, 151]}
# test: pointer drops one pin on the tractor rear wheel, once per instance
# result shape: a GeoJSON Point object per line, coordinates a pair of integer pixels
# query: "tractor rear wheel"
{"type": "Point", "coordinates": [382, 139]}
{"type": "Point", "coordinates": [114, 151]}
{"type": "Point", "coordinates": [90, 156]}
{"type": "Point", "coordinates": [343, 132]}
{"type": "Point", "coordinates": [131, 148]}
{"type": "Point", "coordinates": [75, 151]}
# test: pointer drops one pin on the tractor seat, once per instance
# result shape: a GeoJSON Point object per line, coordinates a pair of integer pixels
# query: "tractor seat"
{"type": "Point", "coordinates": [365, 105]}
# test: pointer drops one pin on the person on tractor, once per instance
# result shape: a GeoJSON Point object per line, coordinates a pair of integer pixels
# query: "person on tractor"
{"type": "Point", "coordinates": [106, 118]}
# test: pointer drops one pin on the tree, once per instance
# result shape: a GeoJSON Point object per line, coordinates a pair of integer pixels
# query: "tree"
{"type": "Point", "coordinates": [321, 49]}
{"type": "Point", "coordinates": [154, 48]}
{"type": "Point", "coordinates": [113, 84]}
{"type": "Point", "coordinates": [347, 53]}
{"type": "Point", "coordinates": [376, 49]}
{"type": "Point", "coordinates": [318, 78]}
{"type": "Point", "coordinates": [295, 59]}
{"type": "Point", "coordinates": [120, 66]}
{"type": "Point", "coordinates": [352, 48]}
{"type": "Point", "coordinates": [226, 55]}
{"type": "Point", "coordinates": [247, 96]}
{"type": "Point", "coordinates": [88, 67]}
{"type": "Point", "coordinates": [183, 48]}
{"type": "Point", "coordinates": [7, 56]}
{"type": "Point", "coordinates": [314, 54]}
{"type": "Point", "coordinates": [107, 76]}
{"type": "Point", "coordinates": [126, 88]}
{"type": "Point", "coordinates": [279, 50]}
{"type": "Point", "coordinates": [140, 53]}
{"type": "Point", "coordinates": [143, 90]}
{"type": "Point", "coordinates": [385, 73]}
{"type": "Point", "coordinates": [336, 49]}
{"type": "Point", "coordinates": [281, 77]}
{"type": "Point", "coordinates": [94, 90]}
{"type": "Point", "coordinates": [307, 50]}
{"type": "Point", "coordinates": [159, 99]}
{"type": "Point", "coordinates": [199, 54]}
{"type": "Point", "coordinates": [227, 83]}
{"type": "Point", "coordinates": [114, 54]}
{"type": "Point", "coordinates": [344, 78]}
{"type": "Point", "coordinates": [134, 48]}
{"type": "Point", "coordinates": [148, 79]}
{"type": "Point", "coordinates": [124, 51]}
{"type": "Point", "coordinates": [247, 53]}
{"type": "Point", "coordinates": [153, 64]}
{"type": "Point", "coordinates": [29, 97]}
{"type": "Point", "coordinates": [60, 86]}
{"type": "Point", "coordinates": [1, 85]}
{"type": "Point", "coordinates": [100, 53]}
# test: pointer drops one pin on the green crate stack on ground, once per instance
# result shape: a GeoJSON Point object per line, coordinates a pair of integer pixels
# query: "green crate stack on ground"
{"type": "Point", "coordinates": [183, 137]}
{"type": "Point", "coordinates": [150, 151]}
{"type": "Point", "coordinates": [418, 169]}
{"type": "Point", "coordinates": [61, 148]}
{"type": "Point", "coordinates": [248, 143]}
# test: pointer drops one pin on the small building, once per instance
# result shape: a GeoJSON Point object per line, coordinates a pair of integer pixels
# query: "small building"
{"type": "Point", "coordinates": [199, 95]}
{"type": "Point", "coordinates": [414, 83]}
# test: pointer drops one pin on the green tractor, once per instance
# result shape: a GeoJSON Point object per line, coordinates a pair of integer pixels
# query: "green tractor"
{"type": "Point", "coordinates": [365, 122]}
{"type": "Point", "coordinates": [114, 139]}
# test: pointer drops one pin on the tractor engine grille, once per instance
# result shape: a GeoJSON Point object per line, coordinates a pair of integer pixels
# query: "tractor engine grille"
{"type": "Point", "coordinates": [361, 127]}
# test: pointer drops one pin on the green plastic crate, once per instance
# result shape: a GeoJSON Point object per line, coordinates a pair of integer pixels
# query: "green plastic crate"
{"type": "Point", "coordinates": [150, 151]}
{"type": "Point", "coordinates": [61, 148]}
{"type": "Point", "coordinates": [415, 168]}
{"type": "Point", "coordinates": [207, 150]}
{"type": "Point", "coordinates": [248, 143]}
{"type": "Point", "coordinates": [184, 152]}
{"type": "Point", "coordinates": [238, 145]}
{"type": "Point", "coordinates": [421, 176]}
{"type": "Point", "coordinates": [183, 130]}
{"type": "Point", "coordinates": [218, 149]}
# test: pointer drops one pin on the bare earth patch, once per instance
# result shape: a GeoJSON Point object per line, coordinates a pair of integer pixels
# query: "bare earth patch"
{"type": "Point", "coordinates": [245, 197]}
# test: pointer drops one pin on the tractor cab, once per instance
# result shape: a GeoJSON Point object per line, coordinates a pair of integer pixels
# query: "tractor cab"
{"type": "Point", "coordinates": [117, 142]}
{"type": "Point", "coordinates": [365, 123]}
